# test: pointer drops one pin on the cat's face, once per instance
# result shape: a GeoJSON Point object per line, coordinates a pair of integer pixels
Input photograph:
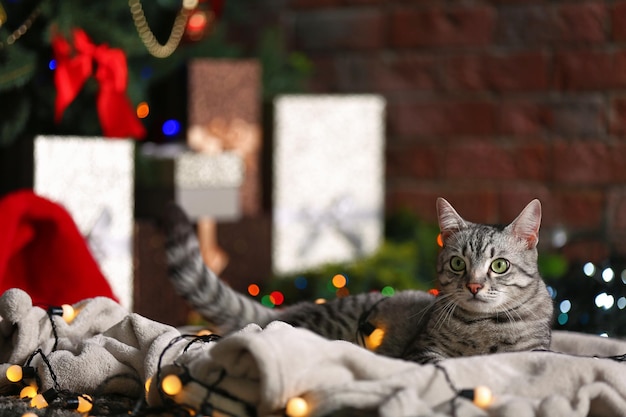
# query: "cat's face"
{"type": "Point", "coordinates": [486, 269]}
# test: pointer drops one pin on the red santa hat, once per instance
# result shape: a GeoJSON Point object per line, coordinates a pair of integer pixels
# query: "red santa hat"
{"type": "Point", "coordinates": [43, 253]}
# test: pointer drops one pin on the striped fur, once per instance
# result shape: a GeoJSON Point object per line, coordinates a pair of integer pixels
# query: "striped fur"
{"type": "Point", "coordinates": [479, 311]}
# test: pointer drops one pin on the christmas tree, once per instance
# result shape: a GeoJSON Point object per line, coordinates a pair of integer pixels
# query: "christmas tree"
{"type": "Point", "coordinates": [156, 40]}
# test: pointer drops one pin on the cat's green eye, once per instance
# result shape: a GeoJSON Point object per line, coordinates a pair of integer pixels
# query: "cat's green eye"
{"type": "Point", "coordinates": [457, 264]}
{"type": "Point", "coordinates": [500, 266]}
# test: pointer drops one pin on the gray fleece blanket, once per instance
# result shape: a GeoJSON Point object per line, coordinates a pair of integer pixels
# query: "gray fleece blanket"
{"type": "Point", "coordinates": [259, 371]}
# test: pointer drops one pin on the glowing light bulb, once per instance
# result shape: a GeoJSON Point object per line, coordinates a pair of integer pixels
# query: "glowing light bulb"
{"type": "Point", "coordinates": [29, 391]}
{"type": "Point", "coordinates": [204, 332]}
{"type": "Point", "coordinates": [440, 240]}
{"type": "Point", "coordinates": [147, 384]}
{"type": "Point", "coordinates": [297, 407]}
{"type": "Point", "coordinates": [29, 415]}
{"type": "Point", "coordinates": [14, 373]}
{"type": "Point", "coordinates": [42, 400]}
{"type": "Point", "coordinates": [171, 385]}
{"type": "Point", "coordinates": [38, 401]}
{"type": "Point", "coordinates": [375, 339]}
{"type": "Point", "coordinates": [69, 314]}
{"type": "Point", "coordinates": [339, 281]}
{"type": "Point", "coordinates": [483, 397]}
{"type": "Point", "coordinates": [85, 404]}
{"type": "Point", "coordinates": [320, 301]}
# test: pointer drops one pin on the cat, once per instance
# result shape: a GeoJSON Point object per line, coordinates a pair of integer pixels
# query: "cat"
{"type": "Point", "coordinates": [492, 298]}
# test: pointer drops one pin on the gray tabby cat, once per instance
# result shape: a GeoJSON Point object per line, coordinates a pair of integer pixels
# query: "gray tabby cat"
{"type": "Point", "coordinates": [492, 298]}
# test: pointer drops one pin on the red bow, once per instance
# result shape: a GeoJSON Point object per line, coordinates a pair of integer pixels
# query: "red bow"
{"type": "Point", "coordinates": [75, 66]}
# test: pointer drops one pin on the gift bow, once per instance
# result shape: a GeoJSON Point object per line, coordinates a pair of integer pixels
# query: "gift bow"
{"type": "Point", "coordinates": [75, 66]}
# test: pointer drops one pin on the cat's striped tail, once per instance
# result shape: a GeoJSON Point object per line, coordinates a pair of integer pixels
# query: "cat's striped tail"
{"type": "Point", "coordinates": [224, 309]}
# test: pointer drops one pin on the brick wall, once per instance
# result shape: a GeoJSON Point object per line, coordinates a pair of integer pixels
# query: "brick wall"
{"type": "Point", "coordinates": [490, 103]}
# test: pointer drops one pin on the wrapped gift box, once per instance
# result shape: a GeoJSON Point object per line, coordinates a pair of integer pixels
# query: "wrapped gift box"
{"type": "Point", "coordinates": [328, 191]}
{"type": "Point", "coordinates": [93, 179]}
{"type": "Point", "coordinates": [224, 115]}
{"type": "Point", "coordinates": [203, 185]}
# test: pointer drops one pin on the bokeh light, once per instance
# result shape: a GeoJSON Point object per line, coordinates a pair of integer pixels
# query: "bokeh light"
{"type": "Point", "coordinates": [143, 110]}
{"type": "Point", "coordinates": [589, 269]}
{"type": "Point", "coordinates": [266, 300]}
{"type": "Point", "coordinates": [388, 291]}
{"type": "Point", "coordinates": [339, 281]}
{"type": "Point", "coordinates": [301, 282]}
{"type": "Point", "coordinates": [253, 290]}
{"type": "Point", "coordinates": [171, 127]}
{"type": "Point", "coordinates": [277, 297]}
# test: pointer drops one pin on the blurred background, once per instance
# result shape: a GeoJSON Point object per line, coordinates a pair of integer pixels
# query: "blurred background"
{"type": "Point", "coordinates": [486, 103]}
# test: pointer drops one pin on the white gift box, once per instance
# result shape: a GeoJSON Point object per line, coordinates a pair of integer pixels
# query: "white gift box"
{"type": "Point", "coordinates": [328, 191]}
{"type": "Point", "coordinates": [93, 178]}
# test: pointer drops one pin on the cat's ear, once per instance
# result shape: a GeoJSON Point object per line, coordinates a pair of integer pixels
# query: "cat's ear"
{"type": "Point", "coordinates": [526, 225]}
{"type": "Point", "coordinates": [449, 220]}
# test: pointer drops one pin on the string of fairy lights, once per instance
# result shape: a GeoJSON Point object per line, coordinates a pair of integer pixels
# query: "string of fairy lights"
{"type": "Point", "coordinates": [182, 394]}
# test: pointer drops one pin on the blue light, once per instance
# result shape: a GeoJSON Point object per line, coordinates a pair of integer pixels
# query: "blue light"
{"type": "Point", "coordinates": [171, 127]}
{"type": "Point", "coordinates": [301, 283]}
{"type": "Point", "coordinates": [563, 318]}
{"type": "Point", "coordinates": [52, 64]}
{"type": "Point", "coordinates": [146, 72]}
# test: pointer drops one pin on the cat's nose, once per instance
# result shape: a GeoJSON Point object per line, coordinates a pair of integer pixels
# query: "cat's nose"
{"type": "Point", "coordinates": [474, 288]}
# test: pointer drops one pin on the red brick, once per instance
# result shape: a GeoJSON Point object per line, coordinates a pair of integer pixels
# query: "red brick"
{"type": "Point", "coordinates": [581, 209]}
{"type": "Point", "coordinates": [616, 212]}
{"type": "Point", "coordinates": [584, 21]}
{"type": "Point", "coordinates": [574, 116]}
{"type": "Point", "coordinates": [618, 21]}
{"type": "Point", "coordinates": [483, 160]}
{"type": "Point", "coordinates": [404, 71]}
{"type": "Point", "coordinates": [518, 71]}
{"type": "Point", "coordinates": [476, 204]}
{"type": "Point", "coordinates": [313, 4]}
{"type": "Point", "coordinates": [513, 199]}
{"type": "Point", "coordinates": [419, 201]}
{"type": "Point", "coordinates": [582, 162]}
{"type": "Point", "coordinates": [617, 116]}
{"type": "Point", "coordinates": [354, 28]}
{"type": "Point", "coordinates": [534, 24]}
{"type": "Point", "coordinates": [442, 26]}
{"type": "Point", "coordinates": [588, 250]}
{"type": "Point", "coordinates": [439, 118]}
{"type": "Point", "coordinates": [414, 162]}
{"type": "Point", "coordinates": [585, 70]}
{"type": "Point", "coordinates": [525, 118]}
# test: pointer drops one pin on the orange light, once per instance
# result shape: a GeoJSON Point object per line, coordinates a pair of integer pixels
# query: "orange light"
{"type": "Point", "coordinates": [85, 404]}
{"type": "Point", "coordinates": [297, 407]}
{"type": "Point", "coordinates": [143, 110]}
{"type": "Point", "coordinates": [69, 314]}
{"type": "Point", "coordinates": [171, 385]}
{"type": "Point", "coordinates": [434, 291]}
{"type": "Point", "coordinates": [339, 281]}
{"type": "Point", "coordinates": [439, 240]}
{"type": "Point", "coordinates": [197, 22]}
{"type": "Point", "coordinates": [342, 292]}
{"type": "Point", "coordinates": [253, 290]}
{"type": "Point", "coordinates": [483, 397]}
{"type": "Point", "coordinates": [375, 339]}
{"type": "Point", "coordinates": [28, 392]}
{"type": "Point", "coordinates": [320, 301]}
{"type": "Point", "coordinates": [14, 373]}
